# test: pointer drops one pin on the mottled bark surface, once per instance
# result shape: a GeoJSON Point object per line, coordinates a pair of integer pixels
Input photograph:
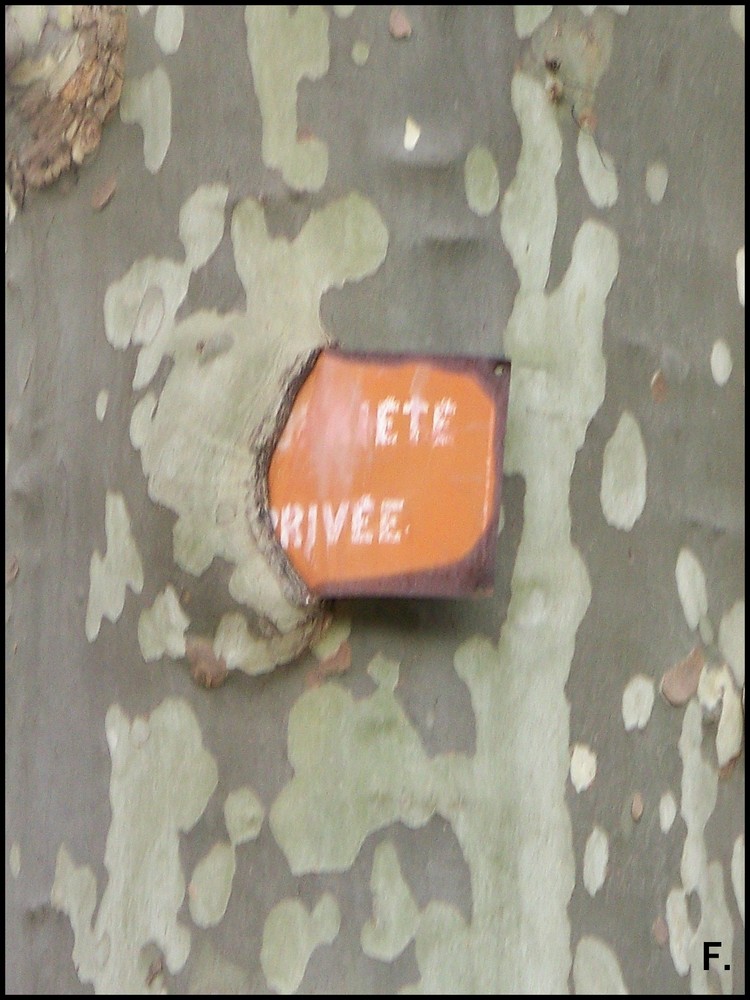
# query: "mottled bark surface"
{"type": "Point", "coordinates": [468, 797]}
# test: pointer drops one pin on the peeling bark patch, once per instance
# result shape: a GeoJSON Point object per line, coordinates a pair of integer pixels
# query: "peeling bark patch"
{"type": "Point", "coordinates": [691, 586]}
{"type": "Point", "coordinates": [14, 859]}
{"type": "Point", "coordinates": [206, 668]}
{"type": "Point", "coordinates": [168, 27]}
{"type": "Point", "coordinates": [737, 19]}
{"type": "Point", "coordinates": [738, 873]}
{"type": "Point", "coordinates": [62, 84]}
{"type": "Point", "coordinates": [582, 767]}
{"type": "Point", "coordinates": [121, 567]}
{"type": "Point", "coordinates": [243, 815]}
{"type": "Point", "coordinates": [147, 101]}
{"type": "Point", "coordinates": [721, 362]}
{"type": "Point", "coordinates": [284, 48]}
{"type": "Point", "coordinates": [636, 807]}
{"type": "Point", "coordinates": [103, 193]}
{"type": "Point", "coordinates": [12, 568]}
{"type": "Point", "coordinates": [637, 702]}
{"type": "Point", "coordinates": [161, 628]}
{"type": "Point", "coordinates": [699, 795]}
{"type": "Point", "coordinates": [596, 971]}
{"type": "Point", "coordinates": [399, 24]}
{"type": "Point", "coordinates": [360, 53]}
{"type": "Point", "coordinates": [667, 812]}
{"type": "Point", "coordinates": [395, 915]}
{"type": "Point", "coordinates": [211, 885]}
{"type": "Point", "coordinates": [337, 632]}
{"type": "Point", "coordinates": [732, 640]}
{"type": "Point", "coordinates": [680, 682]}
{"type": "Point", "coordinates": [740, 269]}
{"type": "Point", "coordinates": [158, 789]}
{"type": "Point", "coordinates": [481, 181]}
{"type": "Point", "coordinates": [595, 860]}
{"type": "Point", "coordinates": [657, 177]}
{"type": "Point", "coordinates": [623, 489]}
{"type": "Point", "coordinates": [290, 935]}
{"type": "Point", "coordinates": [412, 132]}
{"type": "Point", "coordinates": [597, 170]}
{"type": "Point", "coordinates": [102, 400]}
{"type": "Point", "coordinates": [241, 649]}
{"type": "Point", "coordinates": [659, 387]}
{"type": "Point", "coordinates": [527, 18]}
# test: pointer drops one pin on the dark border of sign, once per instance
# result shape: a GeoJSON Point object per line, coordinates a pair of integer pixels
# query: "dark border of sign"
{"type": "Point", "coordinates": [474, 574]}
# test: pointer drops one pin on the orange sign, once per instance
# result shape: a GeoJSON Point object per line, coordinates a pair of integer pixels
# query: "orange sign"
{"type": "Point", "coordinates": [386, 478]}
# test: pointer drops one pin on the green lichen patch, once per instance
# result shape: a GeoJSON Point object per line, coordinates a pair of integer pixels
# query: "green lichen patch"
{"type": "Point", "coordinates": [162, 778]}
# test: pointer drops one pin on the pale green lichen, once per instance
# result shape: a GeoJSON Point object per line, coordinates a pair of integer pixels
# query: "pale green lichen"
{"type": "Point", "coordinates": [243, 815]}
{"type": "Point", "coordinates": [161, 628]}
{"type": "Point", "coordinates": [699, 795]}
{"type": "Point", "coordinates": [102, 400]}
{"type": "Point", "coordinates": [623, 487]}
{"type": "Point", "coordinates": [211, 885]}
{"type": "Point", "coordinates": [168, 27]}
{"type": "Point", "coordinates": [14, 859]}
{"type": "Point", "coordinates": [212, 974]}
{"type": "Point", "coordinates": [667, 812]}
{"type": "Point", "coordinates": [481, 181]}
{"type": "Point", "coordinates": [395, 915]}
{"type": "Point", "coordinates": [162, 778]}
{"type": "Point", "coordinates": [691, 586]}
{"type": "Point", "coordinates": [291, 934]}
{"type": "Point", "coordinates": [528, 17]}
{"type": "Point", "coordinates": [738, 873]}
{"type": "Point", "coordinates": [596, 971]}
{"type": "Point", "coordinates": [336, 633]}
{"type": "Point", "coordinates": [732, 640]}
{"type": "Point", "coordinates": [637, 702]}
{"type": "Point", "coordinates": [737, 19]}
{"type": "Point", "coordinates": [721, 362]}
{"type": "Point", "coordinates": [740, 274]}
{"type": "Point", "coordinates": [360, 52]}
{"type": "Point", "coordinates": [595, 858]}
{"type": "Point", "coordinates": [597, 170]}
{"type": "Point", "coordinates": [285, 47]}
{"type": "Point", "coordinates": [120, 568]}
{"type": "Point", "coordinates": [657, 177]}
{"type": "Point", "coordinates": [147, 101]}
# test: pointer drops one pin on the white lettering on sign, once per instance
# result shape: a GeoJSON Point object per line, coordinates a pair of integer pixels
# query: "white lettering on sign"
{"type": "Point", "coordinates": [441, 416]}
{"type": "Point", "coordinates": [361, 511]}
{"type": "Point", "coordinates": [390, 533]}
{"type": "Point", "coordinates": [388, 427]}
{"type": "Point", "coordinates": [298, 526]}
{"type": "Point", "coordinates": [384, 421]}
{"type": "Point", "coordinates": [414, 408]}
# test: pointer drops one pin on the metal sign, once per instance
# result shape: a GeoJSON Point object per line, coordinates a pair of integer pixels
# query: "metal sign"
{"type": "Point", "coordinates": [387, 477]}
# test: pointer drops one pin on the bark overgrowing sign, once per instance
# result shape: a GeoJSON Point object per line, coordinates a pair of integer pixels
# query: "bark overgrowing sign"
{"type": "Point", "coordinates": [387, 477]}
